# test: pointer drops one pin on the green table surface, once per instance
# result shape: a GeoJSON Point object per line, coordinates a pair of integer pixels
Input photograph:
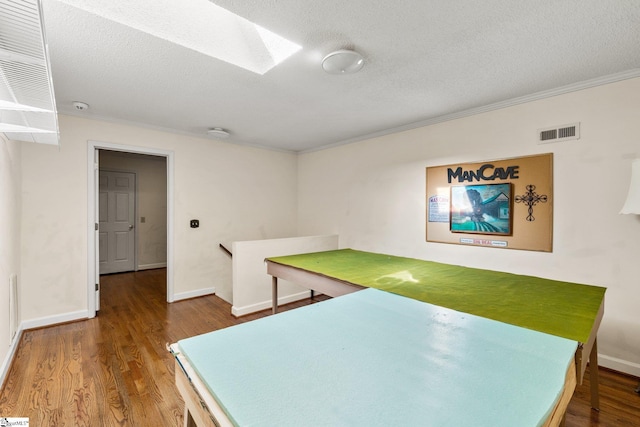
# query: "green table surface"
{"type": "Point", "coordinates": [564, 309]}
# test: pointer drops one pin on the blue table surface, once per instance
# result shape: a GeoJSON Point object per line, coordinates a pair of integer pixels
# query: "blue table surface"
{"type": "Point", "coordinates": [373, 358]}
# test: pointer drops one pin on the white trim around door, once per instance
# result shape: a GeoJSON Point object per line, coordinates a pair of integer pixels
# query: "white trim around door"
{"type": "Point", "coordinates": [92, 272]}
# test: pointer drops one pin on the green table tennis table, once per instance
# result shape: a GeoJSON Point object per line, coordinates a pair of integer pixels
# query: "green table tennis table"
{"type": "Point", "coordinates": [568, 310]}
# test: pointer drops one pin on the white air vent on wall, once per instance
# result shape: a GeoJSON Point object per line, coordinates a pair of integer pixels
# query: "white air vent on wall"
{"type": "Point", "coordinates": [27, 105]}
{"type": "Point", "coordinates": [559, 133]}
{"type": "Point", "coordinates": [13, 307]}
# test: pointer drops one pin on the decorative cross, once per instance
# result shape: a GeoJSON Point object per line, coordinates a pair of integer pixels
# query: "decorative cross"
{"type": "Point", "coordinates": [531, 198]}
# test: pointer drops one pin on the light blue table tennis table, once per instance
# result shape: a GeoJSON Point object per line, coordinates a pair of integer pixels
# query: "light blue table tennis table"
{"type": "Point", "coordinates": [373, 358]}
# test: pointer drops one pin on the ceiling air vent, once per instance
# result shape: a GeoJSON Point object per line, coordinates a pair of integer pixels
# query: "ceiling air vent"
{"type": "Point", "coordinates": [559, 133]}
{"type": "Point", "coordinates": [27, 105]}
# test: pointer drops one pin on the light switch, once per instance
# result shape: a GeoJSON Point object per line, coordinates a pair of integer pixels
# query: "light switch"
{"type": "Point", "coordinates": [143, 219]}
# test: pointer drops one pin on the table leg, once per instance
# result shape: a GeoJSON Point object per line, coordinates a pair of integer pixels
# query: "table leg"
{"type": "Point", "coordinates": [274, 294]}
{"type": "Point", "coordinates": [593, 376]}
{"type": "Point", "coordinates": [188, 419]}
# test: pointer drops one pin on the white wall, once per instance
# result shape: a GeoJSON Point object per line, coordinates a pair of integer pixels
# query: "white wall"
{"type": "Point", "coordinates": [252, 284]}
{"type": "Point", "coordinates": [372, 194]}
{"type": "Point", "coordinates": [237, 193]}
{"type": "Point", "coordinates": [10, 164]}
{"type": "Point", "coordinates": [151, 184]}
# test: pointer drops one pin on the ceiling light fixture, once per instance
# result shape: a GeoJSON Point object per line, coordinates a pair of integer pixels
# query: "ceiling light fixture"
{"type": "Point", "coordinates": [343, 61]}
{"type": "Point", "coordinates": [218, 133]}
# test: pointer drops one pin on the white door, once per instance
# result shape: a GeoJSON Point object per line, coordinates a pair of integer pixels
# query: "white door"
{"type": "Point", "coordinates": [117, 220]}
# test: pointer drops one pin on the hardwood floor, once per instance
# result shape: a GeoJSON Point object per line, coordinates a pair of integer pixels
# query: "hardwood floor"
{"type": "Point", "coordinates": [114, 370]}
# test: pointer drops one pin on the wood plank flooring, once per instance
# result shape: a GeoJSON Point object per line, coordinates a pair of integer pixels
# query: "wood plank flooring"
{"type": "Point", "coordinates": [114, 370]}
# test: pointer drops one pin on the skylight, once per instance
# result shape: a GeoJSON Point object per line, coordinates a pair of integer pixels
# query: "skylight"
{"type": "Point", "coordinates": [198, 25]}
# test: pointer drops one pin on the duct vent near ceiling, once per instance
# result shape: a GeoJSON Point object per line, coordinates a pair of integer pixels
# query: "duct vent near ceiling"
{"type": "Point", "coordinates": [27, 105]}
{"type": "Point", "coordinates": [559, 133]}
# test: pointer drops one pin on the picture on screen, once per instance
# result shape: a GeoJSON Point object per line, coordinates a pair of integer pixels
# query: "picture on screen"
{"type": "Point", "coordinates": [481, 209]}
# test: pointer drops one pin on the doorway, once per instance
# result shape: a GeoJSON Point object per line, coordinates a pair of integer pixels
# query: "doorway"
{"type": "Point", "coordinates": [95, 251]}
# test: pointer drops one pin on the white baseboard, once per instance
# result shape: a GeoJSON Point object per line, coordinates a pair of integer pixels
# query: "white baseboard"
{"type": "Point", "coordinates": [619, 365]}
{"type": "Point", "coordinates": [6, 363]}
{"type": "Point", "coordinates": [54, 320]}
{"type": "Point", "coordinates": [152, 266]}
{"type": "Point", "coordinates": [248, 309]}
{"type": "Point", "coordinates": [194, 294]}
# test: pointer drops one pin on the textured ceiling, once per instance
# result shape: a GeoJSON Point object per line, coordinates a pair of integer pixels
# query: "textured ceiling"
{"type": "Point", "coordinates": [426, 61]}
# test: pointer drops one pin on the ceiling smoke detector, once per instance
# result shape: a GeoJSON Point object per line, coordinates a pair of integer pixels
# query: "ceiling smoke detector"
{"type": "Point", "coordinates": [80, 106]}
{"type": "Point", "coordinates": [343, 61]}
{"type": "Point", "coordinates": [218, 133]}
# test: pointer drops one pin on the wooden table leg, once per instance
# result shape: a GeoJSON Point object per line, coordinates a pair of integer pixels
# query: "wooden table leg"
{"type": "Point", "coordinates": [188, 419]}
{"type": "Point", "coordinates": [593, 376]}
{"type": "Point", "coordinates": [274, 294]}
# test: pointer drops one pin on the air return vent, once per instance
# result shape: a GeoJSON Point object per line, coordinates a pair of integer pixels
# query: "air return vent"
{"type": "Point", "coordinates": [27, 106]}
{"type": "Point", "coordinates": [13, 307]}
{"type": "Point", "coordinates": [559, 133]}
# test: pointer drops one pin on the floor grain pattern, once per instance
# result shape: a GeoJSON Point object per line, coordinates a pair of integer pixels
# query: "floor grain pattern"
{"type": "Point", "coordinates": [114, 370]}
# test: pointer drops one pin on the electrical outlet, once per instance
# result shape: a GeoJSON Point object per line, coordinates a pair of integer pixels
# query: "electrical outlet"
{"type": "Point", "coordinates": [195, 223]}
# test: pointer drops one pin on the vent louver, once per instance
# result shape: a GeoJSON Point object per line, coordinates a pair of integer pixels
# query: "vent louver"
{"type": "Point", "coordinates": [13, 307]}
{"type": "Point", "coordinates": [27, 105]}
{"type": "Point", "coordinates": [546, 135]}
{"type": "Point", "coordinates": [559, 133]}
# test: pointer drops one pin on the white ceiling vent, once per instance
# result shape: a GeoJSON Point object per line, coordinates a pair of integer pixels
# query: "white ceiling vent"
{"type": "Point", "coordinates": [27, 105]}
{"type": "Point", "coordinates": [559, 133]}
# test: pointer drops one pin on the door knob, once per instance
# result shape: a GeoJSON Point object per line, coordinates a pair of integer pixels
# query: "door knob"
{"type": "Point", "coordinates": [130, 227]}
